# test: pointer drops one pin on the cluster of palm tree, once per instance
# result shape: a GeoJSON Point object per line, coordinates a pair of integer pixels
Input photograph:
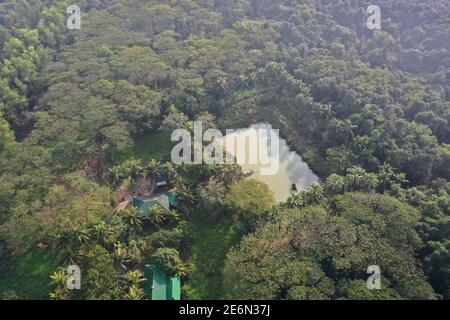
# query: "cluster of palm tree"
{"type": "Point", "coordinates": [135, 291]}
{"type": "Point", "coordinates": [201, 174]}
{"type": "Point", "coordinates": [113, 236]}
{"type": "Point", "coordinates": [312, 195]}
{"type": "Point", "coordinates": [59, 281]}
{"type": "Point", "coordinates": [68, 243]}
{"type": "Point", "coordinates": [388, 177]}
{"type": "Point", "coordinates": [72, 243]}
{"type": "Point", "coordinates": [130, 281]}
{"type": "Point", "coordinates": [122, 254]}
{"type": "Point", "coordinates": [135, 170]}
{"type": "Point", "coordinates": [356, 179]}
{"type": "Point", "coordinates": [157, 216]}
{"type": "Point", "coordinates": [116, 233]}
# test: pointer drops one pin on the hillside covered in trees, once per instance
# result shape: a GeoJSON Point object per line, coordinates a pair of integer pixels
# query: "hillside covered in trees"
{"type": "Point", "coordinates": [86, 117]}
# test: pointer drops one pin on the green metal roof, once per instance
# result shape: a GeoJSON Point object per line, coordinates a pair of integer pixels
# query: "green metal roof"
{"type": "Point", "coordinates": [174, 289]}
{"type": "Point", "coordinates": [161, 287]}
{"type": "Point", "coordinates": [172, 198]}
{"type": "Point", "coordinates": [164, 200]}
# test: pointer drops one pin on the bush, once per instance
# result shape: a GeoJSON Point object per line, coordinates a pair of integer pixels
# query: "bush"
{"type": "Point", "coordinates": [250, 199]}
{"type": "Point", "coordinates": [167, 260]}
{"type": "Point", "coordinates": [167, 238]}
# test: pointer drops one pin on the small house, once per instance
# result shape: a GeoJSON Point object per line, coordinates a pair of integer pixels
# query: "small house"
{"type": "Point", "coordinates": [160, 286]}
{"type": "Point", "coordinates": [166, 201]}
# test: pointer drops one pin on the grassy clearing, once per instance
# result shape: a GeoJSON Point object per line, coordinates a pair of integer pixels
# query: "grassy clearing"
{"type": "Point", "coordinates": [153, 146]}
{"type": "Point", "coordinates": [29, 277]}
{"type": "Point", "coordinates": [211, 241]}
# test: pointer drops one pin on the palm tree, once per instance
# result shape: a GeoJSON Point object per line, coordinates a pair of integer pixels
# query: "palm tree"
{"type": "Point", "coordinates": [121, 254]}
{"type": "Point", "coordinates": [69, 242]}
{"type": "Point", "coordinates": [132, 221]}
{"type": "Point", "coordinates": [354, 177]}
{"type": "Point", "coordinates": [186, 195]}
{"type": "Point", "coordinates": [253, 79]}
{"type": "Point", "coordinates": [335, 184]}
{"type": "Point", "coordinates": [243, 79]}
{"type": "Point", "coordinates": [297, 200]}
{"type": "Point", "coordinates": [173, 214]}
{"type": "Point", "coordinates": [83, 236]}
{"type": "Point", "coordinates": [183, 270]}
{"type": "Point", "coordinates": [344, 130]}
{"type": "Point", "coordinates": [59, 278]}
{"type": "Point", "coordinates": [232, 172]}
{"type": "Point", "coordinates": [325, 111]}
{"type": "Point", "coordinates": [135, 277]}
{"type": "Point", "coordinates": [387, 177]}
{"type": "Point", "coordinates": [58, 294]}
{"type": "Point", "coordinates": [157, 215]}
{"type": "Point", "coordinates": [136, 170]}
{"type": "Point", "coordinates": [64, 243]}
{"type": "Point", "coordinates": [315, 194]}
{"type": "Point", "coordinates": [152, 169]}
{"type": "Point", "coordinates": [115, 176]}
{"type": "Point", "coordinates": [135, 293]}
{"type": "Point", "coordinates": [222, 83]}
{"type": "Point", "coordinates": [103, 233]}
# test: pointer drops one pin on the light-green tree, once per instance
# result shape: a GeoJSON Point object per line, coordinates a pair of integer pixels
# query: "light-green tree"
{"type": "Point", "coordinates": [249, 199]}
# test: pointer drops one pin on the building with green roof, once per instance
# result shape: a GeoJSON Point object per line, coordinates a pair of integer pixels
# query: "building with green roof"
{"type": "Point", "coordinates": [166, 201]}
{"type": "Point", "coordinates": [161, 287]}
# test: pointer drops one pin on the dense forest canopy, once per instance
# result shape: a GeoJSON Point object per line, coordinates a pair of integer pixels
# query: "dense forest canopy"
{"type": "Point", "coordinates": [86, 116]}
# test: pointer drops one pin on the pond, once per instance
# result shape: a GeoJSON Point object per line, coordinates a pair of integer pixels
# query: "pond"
{"type": "Point", "coordinates": [292, 168]}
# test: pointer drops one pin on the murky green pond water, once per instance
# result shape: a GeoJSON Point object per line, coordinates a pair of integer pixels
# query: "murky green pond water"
{"type": "Point", "coordinates": [292, 168]}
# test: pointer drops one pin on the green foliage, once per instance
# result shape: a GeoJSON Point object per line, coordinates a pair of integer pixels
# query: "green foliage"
{"type": "Point", "coordinates": [357, 290]}
{"type": "Point", "coordinates": [167, 238]}
{"type": "Point", "coordinates": [153, 146]}
{"type": "Point", "coordinates": [416, 289]}
{"type": "Point", "coordinates": [6, 136]}
{"type": "Point", "coordinates": [362, 229]}
{"type": "Point", "coordinates": [368, 110]}
{"type": "Point", "coordinates": [211, 198]}
{"type": "Point", "coordinates": [167, 260]}
{"type": "Point", "coordinates": [29, 275]}
{"type": "Point", "coordinates": [100, 275]}
{"type": "Point", "coordinates": [249, 199]}
{"type": "Point", "coordinates": [210, 238]}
